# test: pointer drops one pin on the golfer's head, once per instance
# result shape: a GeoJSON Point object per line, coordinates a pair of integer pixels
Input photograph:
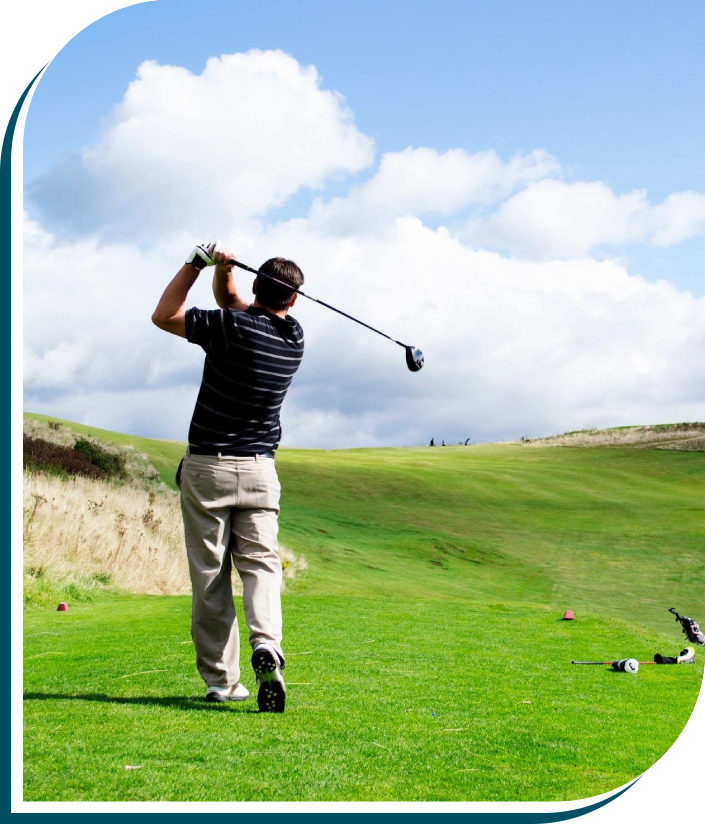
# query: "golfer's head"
{"type": "Point", "coordinates": [273, 295]}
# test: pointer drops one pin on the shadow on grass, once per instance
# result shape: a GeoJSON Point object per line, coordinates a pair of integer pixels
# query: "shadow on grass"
{"type": "Point", "coordinates": [179, 702]}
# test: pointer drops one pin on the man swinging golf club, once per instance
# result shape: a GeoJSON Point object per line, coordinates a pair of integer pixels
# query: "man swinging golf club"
{"type": "Point", "coordinates": [228, 481]}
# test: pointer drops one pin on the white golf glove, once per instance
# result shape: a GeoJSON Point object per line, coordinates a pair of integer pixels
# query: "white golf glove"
{"type": "Point", "coordinates": [203, 255]}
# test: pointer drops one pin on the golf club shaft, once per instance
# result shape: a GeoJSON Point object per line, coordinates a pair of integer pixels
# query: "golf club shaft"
{"type": "Point", "coordinates": [315, 300]}
{"type": "Point", "coordinates": [609, 663]}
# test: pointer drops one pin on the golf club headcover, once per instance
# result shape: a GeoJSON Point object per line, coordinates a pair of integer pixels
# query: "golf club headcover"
{"type": "Point", "coordinates": [200, 257]}
{"type": "Point", "coordinates": [665, 659]}
{"type": "Point", "coordinates": [626, 665]}
{"type": "Point", "coordinates": [687, 656]}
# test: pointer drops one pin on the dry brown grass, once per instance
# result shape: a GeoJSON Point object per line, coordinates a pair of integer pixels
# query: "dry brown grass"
{"type": "Point", "coordinates": [127, 535]}
{"type": "Point", "coordinates": [690, 445]}
{"type": "Point", "coordinates": [122, 535]}
{"type": "Point", "coordinates": [685, 436]}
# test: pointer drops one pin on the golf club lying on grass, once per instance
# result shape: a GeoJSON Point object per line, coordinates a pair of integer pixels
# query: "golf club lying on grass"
{"type": "Point", "coordinates": [203, 255]}
{"type": "Point", "coordinates": [623, 665]}
{"type": "Point", "coordinates": [687, 656]}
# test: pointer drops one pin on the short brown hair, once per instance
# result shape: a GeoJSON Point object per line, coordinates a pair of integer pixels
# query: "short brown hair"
{"type": "Point", "coordinates": [274, 295]}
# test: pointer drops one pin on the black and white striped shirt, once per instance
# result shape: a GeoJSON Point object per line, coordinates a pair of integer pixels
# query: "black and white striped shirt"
{"type": "Point", "coordinates": [251, 358]}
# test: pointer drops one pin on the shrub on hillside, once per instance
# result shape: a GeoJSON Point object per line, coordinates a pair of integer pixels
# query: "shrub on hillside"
{"type": "Point", "coordinates": [138, 470]}
{"type": "Point", "coordinates": [111, 463]}
{"type": "Point", "coordinates": [41, 455]}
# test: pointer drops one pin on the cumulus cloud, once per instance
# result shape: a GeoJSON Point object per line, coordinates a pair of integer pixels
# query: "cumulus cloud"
{"type": "Point", "coordinates": [422, 181]}
{"type": "Point", "coordinates": [203, 152]}
{"type": "Point", "coordinates": [514, 345]}
{"type": "Point", "coordinates": [679, 217]}
{"type": "Point", "coordinates": [552, 218]}
{"type": "Point", "coordinates": [87, 319]}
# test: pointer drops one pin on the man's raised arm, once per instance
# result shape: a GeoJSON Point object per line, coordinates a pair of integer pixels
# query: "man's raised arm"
{"type": "Point", "coordinates": [224, 289]}
{"type": "Point", "coordinates": [170, 314]}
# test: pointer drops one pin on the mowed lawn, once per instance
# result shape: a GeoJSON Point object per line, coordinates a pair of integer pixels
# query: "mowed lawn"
{"type": "Point", "coordinates": [389, 699]}
{"type": "Point", "coordinates": [615, 531]}
{"type": "Point", "coordinates": [426, 655]}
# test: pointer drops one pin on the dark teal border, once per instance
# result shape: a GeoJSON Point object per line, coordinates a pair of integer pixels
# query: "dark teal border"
{"type": "Point", "coordinates": [6, 170]}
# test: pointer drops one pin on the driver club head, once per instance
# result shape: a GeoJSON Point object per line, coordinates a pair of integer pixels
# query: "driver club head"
{"type": "Point", "coordinates": [414, 358]}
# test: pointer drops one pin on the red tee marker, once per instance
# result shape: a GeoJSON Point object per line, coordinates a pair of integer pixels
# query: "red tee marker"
{"type": "Point", "coordinates": [568, 615]}
{"type": "Point", "coordinates": [63, 607]}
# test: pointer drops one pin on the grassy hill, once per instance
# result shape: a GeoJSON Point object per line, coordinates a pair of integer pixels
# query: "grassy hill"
{"type": "Point", "coordinates": [427, 655]}
{"type": "Point", "coordinates": [685, 437]}
{"type": "Point", "coordinates": [620, 531]}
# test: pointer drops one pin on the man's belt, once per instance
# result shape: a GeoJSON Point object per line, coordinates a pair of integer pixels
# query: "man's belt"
{"type": "Point", "coordinates": [228, 452]}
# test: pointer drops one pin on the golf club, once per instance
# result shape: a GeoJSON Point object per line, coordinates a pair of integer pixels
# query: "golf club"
{"type": "Point", "coordinates": [623, 665]}
{"type": "Point", "coordinates": [687, 656]}
{"type": "Point", "coordinates": [618, 665]}
{"type": "Point", "coordinates": [414, 356]}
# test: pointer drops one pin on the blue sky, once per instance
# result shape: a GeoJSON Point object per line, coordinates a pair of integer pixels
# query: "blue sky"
{"type": "Point", "coordinates": [612, 92]}
{"type": "Point", "coordinates": [615, 90]}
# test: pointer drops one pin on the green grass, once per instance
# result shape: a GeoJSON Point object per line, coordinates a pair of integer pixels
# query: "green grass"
{"type": "Point", "coordinates": [436, 581]}
{"type": "Point", "coordinates": [389, 699]}
{"type": "Point", "coordinates": [619, 531]}
{"type": "Point", "coordinates": [44, 588]}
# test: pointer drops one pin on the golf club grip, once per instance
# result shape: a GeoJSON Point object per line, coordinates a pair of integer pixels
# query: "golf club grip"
{"type": "Point", "coordinates": [593, 663]}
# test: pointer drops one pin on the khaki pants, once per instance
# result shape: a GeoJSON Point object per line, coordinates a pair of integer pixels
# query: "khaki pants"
{"type": "Point", "coordinates": [230, 507]}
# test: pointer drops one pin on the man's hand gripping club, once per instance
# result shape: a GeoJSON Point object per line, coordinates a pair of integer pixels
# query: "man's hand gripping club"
{"type": "Point", "coordinates": [202, 256]}
{"type": "Point", "coordinates": [170, 314]}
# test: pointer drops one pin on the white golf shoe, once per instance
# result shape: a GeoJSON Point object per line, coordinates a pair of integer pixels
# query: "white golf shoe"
{"type": "Point", "coordinates": [271, 691]}
{"type": "Point", "coordinates": [236, 692]}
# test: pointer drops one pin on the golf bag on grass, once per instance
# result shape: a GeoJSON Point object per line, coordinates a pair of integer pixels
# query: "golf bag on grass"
{"type": "Point", "coordinates": [690, 627]}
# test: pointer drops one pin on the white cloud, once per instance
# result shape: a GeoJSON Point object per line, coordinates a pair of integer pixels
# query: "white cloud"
{"type": "Point", "coordinates": [679, 217]}
{"type": "Point", "coordinates": [87, 317]}
{"type": "Point", "coordinates": [423, 181]}
{"type": "Point", "coordinates": [513, 346]}
{"type": "Point", "coordinates": [204, 152]}
{"type": "Point", "coordinates": [552, 219]}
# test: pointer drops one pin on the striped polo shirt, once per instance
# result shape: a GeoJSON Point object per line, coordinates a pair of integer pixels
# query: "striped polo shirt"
{"type": "Point", "coordinates": [251, 358]}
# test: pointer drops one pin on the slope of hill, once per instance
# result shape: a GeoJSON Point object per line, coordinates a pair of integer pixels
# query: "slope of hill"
{"type": "Point", "coordinates": [163, 455]}
{"type": "Point", "coordinates": [686, 437]}
{"type": "Point", "coordinates": [618, 530]}
{"type": "Point", "coordinates": [86, 538]}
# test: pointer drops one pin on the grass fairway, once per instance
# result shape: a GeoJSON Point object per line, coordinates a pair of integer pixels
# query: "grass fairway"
{"type": "Point", "coordinates": [617, 531]}
{"type": "Point", "coordinates": [426, 658]}
{"type": "Point", "coordinates": [389, 699]}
